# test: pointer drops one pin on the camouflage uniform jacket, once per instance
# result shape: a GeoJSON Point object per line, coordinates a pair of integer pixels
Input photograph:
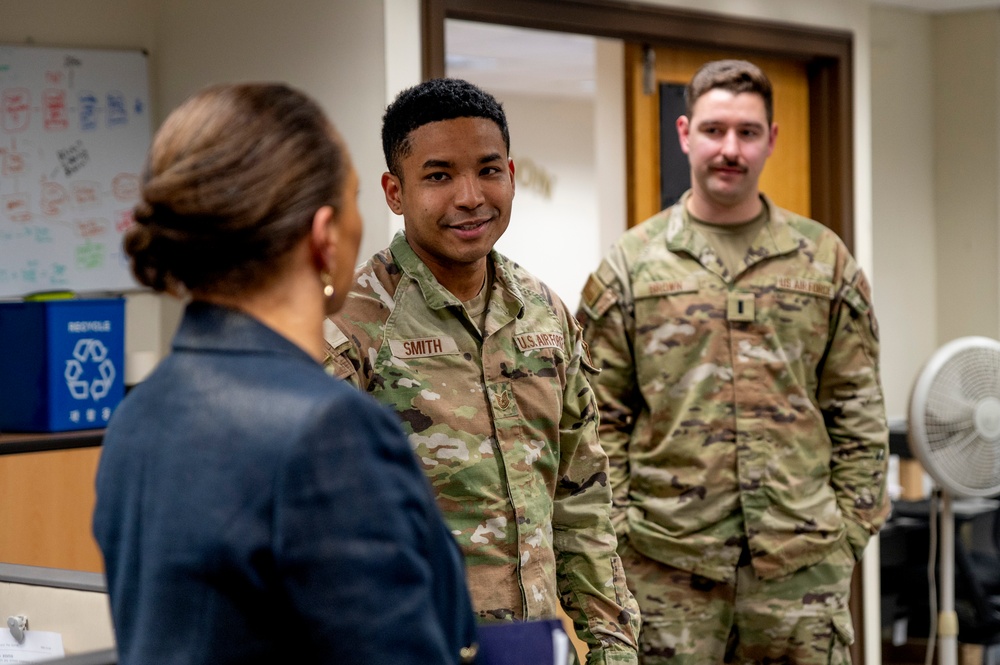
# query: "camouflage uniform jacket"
{"type": "Point", "coordinates": [738, 409]}
{"type": "Point", "coordinates": [505, 426]}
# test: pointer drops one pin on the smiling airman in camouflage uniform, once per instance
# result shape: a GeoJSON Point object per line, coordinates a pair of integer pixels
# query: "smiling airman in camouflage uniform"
{"type": "Point", "coordinates": [742, 414]}
{"type": "Point", "coordinates": [491, 387]}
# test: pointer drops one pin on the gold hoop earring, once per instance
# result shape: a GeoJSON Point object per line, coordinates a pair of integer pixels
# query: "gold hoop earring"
{"type": "Point", "coordinates": [328, 289]}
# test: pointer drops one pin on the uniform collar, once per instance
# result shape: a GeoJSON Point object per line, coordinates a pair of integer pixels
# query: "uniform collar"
{"type": "Point", "coordinates": [776, 237]}
{"type": "Point", "coordinates": [511, 303]}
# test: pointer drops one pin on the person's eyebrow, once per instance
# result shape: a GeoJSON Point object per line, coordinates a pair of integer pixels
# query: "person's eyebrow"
{"type": "Point", "coordinates": [436, 163]}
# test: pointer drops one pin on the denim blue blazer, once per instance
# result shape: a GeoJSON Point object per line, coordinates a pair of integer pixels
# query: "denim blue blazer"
{"type": "Point", "coordinates": [250, 506]}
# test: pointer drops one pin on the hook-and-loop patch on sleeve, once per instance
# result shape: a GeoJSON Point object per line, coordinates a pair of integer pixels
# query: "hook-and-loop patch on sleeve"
{"type": "Point", "coordinates": [858, 297]}
{"type": "Point", "coordinates": [598, 296]}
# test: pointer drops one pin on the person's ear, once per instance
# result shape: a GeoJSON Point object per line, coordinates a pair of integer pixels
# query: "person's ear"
{"type": "Point", "coordinates": [325, 235]}
{"type": "Point", "coordinates": [683, 132]}
{"type": "Point", "coordinates": [510, 167]}
{"type": "Point", "coordinates": [393, 188]}
{"type": "Point", "coordinates": [772, 139]}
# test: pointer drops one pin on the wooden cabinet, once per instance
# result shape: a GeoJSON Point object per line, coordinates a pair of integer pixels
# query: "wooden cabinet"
{"type": "Point", "coordinates": [47, 499]}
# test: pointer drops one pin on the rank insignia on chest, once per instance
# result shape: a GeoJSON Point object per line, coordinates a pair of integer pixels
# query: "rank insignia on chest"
{"type": "Point", "coordinates": [740, 307]}
{"type": "Point", "coordinates": [504, 404]}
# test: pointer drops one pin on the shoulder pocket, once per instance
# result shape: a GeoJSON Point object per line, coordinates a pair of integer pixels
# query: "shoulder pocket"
{"type": "Point", "coordinates": [586, 362]}
{"type": "Point", "coordinates": [340, 367]}
{"type": "Point", "coordinates": [338, 348]}
{"type": "Point", "coordinates": [861, 309]}
{"type": "Point", "coordinates": [334, 336]}
{"type": "Point", "coordinates": [597, 297]}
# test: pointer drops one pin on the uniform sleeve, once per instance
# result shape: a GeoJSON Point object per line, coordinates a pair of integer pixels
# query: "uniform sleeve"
{"type": "Point", "coordinates": [590, 576]}
{"type": "Point", "coordinates": [366, 561]}
{"type": "Point", "coordinates": [343, 358]}
{"type": "Point", "coordinates": [606, 313]}
{"type": "Point", "coordinates": [850, 397]}
{"type": "Point", "coordinates": [352, 336]}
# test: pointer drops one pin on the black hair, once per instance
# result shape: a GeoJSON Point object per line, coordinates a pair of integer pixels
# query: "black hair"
{"type": "Point", "coordinates": [431, 101]}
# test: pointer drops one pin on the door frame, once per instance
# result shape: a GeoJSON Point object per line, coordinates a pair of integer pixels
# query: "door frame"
{"type": "Point", "coordinates": [827, 54]}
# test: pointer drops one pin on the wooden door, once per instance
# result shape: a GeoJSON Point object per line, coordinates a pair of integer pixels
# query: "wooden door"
{"type": "Point", "coordinates": [786, 178]}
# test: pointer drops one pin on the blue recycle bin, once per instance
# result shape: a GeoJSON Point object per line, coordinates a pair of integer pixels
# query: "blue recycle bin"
{"type": "Point", "coordinates": [62, 364]}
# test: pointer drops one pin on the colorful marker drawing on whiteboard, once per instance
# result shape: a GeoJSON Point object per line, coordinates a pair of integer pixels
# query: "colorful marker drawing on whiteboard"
{"type": "Point", "coordinates": [87, 104]}
{"type": "Point", "coordinates": [73, 157]}
{"type": "Point", "coordinates": [16, 110]}
{"type": "Point", "coordinates": [74, 131]}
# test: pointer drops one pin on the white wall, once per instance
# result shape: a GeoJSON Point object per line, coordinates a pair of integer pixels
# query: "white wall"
{"type": "Point", "coordinates": [609, 143]}
{"type": "Point", "coordinates": [331, 50]}
{"type": "Point", "coordinates": [903, 197]}
{"type": "Point", "coordinates": [936, 156]}
{"type": "Point", "coordinates": [402, 70]}
{"type": "Point", "coordinates": [554, 139]}
{"type": "Point", "coordinates": [966, 48]}
{"type": "Point", "coordinates": [77, 23]}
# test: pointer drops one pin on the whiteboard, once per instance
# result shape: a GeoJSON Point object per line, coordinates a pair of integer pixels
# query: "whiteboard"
{"type": "Point", "coordinates": [74, 132]}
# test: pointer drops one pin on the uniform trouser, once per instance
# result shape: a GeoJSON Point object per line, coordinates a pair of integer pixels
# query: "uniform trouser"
{"type": "Point", "coordinates": [802, 618]}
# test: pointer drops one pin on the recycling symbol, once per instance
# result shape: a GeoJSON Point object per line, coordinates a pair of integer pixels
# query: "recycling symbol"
{"type": "Point", "coordinates": [86, 354]}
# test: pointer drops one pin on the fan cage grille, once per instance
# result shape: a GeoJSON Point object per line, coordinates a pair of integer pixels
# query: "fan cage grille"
{"type": "Point", "coordinates": [957, 455]}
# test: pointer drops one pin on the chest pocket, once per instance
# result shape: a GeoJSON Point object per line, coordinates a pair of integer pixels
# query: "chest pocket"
{"type": "Point", "coordinates": [539, 372]}
{"type": "Point", "coordinates": [798, 309]}
{"type": "Point", "coordinates": [674, 320]}
{"type": "Point", "coordinates": [687, 331]}
{"type": "Point", "coordinates": [795, 316]}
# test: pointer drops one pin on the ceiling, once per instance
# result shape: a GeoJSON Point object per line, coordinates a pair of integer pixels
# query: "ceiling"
{"type": "Point", "coordinates": [940, 6]}
{"type": "Point", "coordinates": [507, 60]}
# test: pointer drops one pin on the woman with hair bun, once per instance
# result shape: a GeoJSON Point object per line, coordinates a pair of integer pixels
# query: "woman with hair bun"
{"type": "Point", "coordinates": [248, 504]}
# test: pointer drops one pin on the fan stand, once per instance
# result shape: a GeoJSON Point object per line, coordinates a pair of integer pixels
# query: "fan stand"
{"type": "Point", "coordinates": [954, 426]}
{"type": "Point", "coordinates": [986, 418]}
{"type": "Point", "coordinates": [947, 623]}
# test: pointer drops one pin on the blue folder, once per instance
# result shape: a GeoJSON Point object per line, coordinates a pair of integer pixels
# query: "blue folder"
{"type": "Point", "coordinates": [523, 643]}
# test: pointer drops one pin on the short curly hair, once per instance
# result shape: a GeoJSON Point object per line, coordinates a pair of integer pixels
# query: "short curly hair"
{"type": "Point", "coordinates": [431, 101]}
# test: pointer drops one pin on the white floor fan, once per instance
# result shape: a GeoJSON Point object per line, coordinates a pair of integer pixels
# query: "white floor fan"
{"type": "Point", "coordinates": [954, 430]}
